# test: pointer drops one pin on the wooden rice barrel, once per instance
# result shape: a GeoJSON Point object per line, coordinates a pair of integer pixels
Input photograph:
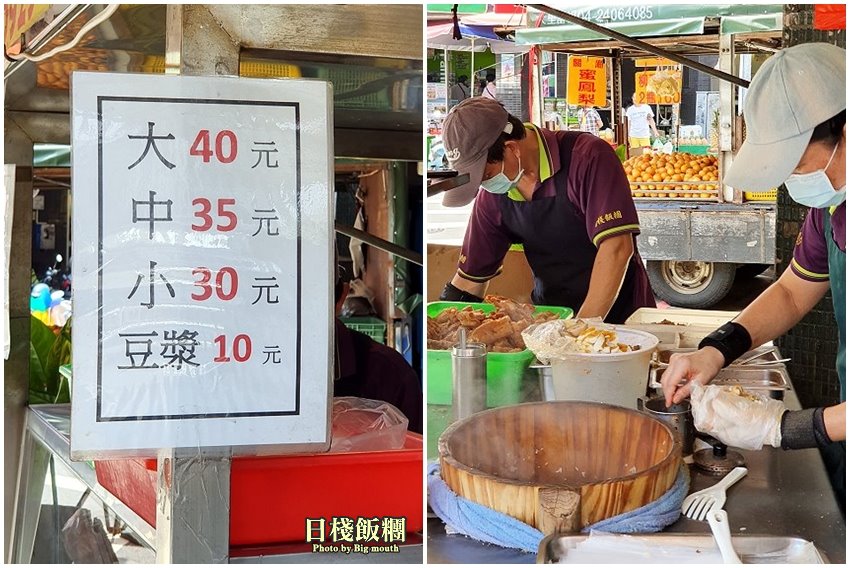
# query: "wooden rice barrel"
{"type": "Point", "coordinates": [560, 466]}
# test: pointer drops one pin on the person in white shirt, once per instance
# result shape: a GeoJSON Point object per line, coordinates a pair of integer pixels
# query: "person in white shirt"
{"type": "Point", "coordinates": [641, 121]}
{"type": "Point", "coordinates": [490, 90]}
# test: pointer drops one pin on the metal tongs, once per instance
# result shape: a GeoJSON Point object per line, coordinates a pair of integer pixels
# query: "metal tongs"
{"type": "Point", "coordinates": [752, 361]}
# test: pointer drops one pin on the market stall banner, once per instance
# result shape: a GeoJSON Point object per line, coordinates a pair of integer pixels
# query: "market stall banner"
{"type": "Point", "coordinates": [203, 264]}
{"type": "Point", "coordinates": [659, 86]}
{"type": "Point", "coordinates": [18, 18]}
{"type": "Point", "coordinates": [586, 80]}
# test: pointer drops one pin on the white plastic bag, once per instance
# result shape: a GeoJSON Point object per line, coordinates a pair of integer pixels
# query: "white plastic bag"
{"type": "Point", "coordinates": [737, 420]}
{"type": "Point", "coordinates": [365, 425]}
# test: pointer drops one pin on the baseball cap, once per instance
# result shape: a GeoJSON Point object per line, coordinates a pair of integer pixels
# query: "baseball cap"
{"type": "Point", "coordinates": [470, 129]}
{"type": "Point", "coordinates": [794, 91]}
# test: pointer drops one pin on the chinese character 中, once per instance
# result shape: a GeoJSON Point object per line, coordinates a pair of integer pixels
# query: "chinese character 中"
{"type": "Point", "coordinates": [267, 287]}
{"type": "Point", "coordinates": [315, 530]}
{"type": "Point", "coordinates": [151, 204]}
{"type": "Point", "coordinates": [367, 529]}
{"type": "Point", "coordinates": [151, 143]}
{"type": "Point", "coordinates": [266, 216]}
{"type": "Point", "coordinates": [267, 152]}
{"type": "Point", "coordinates": [272, 353]}
{"type": "Point", "coordinates": [152, 280]}
{"type": "Point", "coordinates": [136, 346]}
{"type": "Point", "coordinates": [392, 529]}
{"type": "Point", "coordinates": [342, 529]}
{"type": "Point", "coordinates": [179, 349]}
{"type": "Point", "coordinates": [587, 74]}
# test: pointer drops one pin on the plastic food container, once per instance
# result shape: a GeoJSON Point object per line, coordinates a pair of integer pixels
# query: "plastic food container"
{"type": "Point", "coordinates": [504, 370]}
{"type": "Point", "coordinates": [271, 497]}
{"type": "Point", "coordinates": [612, 378]}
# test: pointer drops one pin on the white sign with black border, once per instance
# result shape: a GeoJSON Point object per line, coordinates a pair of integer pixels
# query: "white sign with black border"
{"type": "Point", "coordinates": [202, 264]}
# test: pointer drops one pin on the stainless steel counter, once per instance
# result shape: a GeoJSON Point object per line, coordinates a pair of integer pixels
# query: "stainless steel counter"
{"type": "Point", "coordinates": [785, 493]}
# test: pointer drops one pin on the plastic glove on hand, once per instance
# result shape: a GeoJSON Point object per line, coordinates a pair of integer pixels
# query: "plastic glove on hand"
{"type": "Point", "coordinates": [744, 421]}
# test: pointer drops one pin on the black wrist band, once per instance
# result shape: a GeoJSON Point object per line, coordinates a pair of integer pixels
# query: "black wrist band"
{"type": "Point", "coordinates": [452, 293]}
{"type": "Point", "coordinates": [804, 429]}
{"type": "Point", "coordinates": [731, 339]}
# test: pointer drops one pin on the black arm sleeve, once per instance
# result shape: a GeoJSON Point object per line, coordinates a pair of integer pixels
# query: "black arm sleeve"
{"type": "Point", "coordinates": [804, 429]}
{"type": "Point", "coordinates": [452, 293]}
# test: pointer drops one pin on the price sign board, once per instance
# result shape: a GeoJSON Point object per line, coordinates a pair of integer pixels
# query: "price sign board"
{"type": "Point", "coordinates": [202, 264]}
{"type": "Point", "coordinates": [586, 81]}
{"type": "Point", "coordinates": [652, 90]}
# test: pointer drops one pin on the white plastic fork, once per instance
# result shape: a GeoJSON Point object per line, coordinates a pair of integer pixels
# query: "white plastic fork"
{"type": "Point", "coordinates": [719, 523]}
{"type": "Point", "coordinates": [697, 505]}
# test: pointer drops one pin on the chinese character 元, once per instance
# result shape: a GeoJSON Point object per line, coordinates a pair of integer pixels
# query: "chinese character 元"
{"type": "Point", "coordinates": [315, 530]}
{"type": "Point", "coordinates": [272, 353]}
{"type": "Point", "coordinates": [135, 345]}
{"type": "Point", "coordinates": [151, 143]}
{"type": "Point", "coordinates": [151, 281]}
{"type": "Point", "coordinates": [267, 287]}
{"type": "Point", "coordinates": [392, 529]}
{"type": "Point", "coordinates": [342, 529]}
{"type": "Point", "coordinates": [179, 349]}
{"type": "Point", "coordinates": [367, 529]}
{"type": "Point", "coordinates": [267, 216]}
{"type": "Point", "coordinates": [151, 204]}
{"type": "Point", "coordinates": [267, 152]}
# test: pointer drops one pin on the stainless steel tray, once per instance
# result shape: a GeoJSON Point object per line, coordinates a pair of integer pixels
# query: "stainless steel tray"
{"type": "Point", "coordinates": [753, 549]}
{"type": "Point", "coordinates": [763, 377]}
{"type": "Point", "coordinates": [765, 356]}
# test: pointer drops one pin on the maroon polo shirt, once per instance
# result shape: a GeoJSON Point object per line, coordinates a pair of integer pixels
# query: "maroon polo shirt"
{"type": "Point", "coordinates": [368, 369]}
{"type": "Point", "coordinates": [596, 187]}
{"type": "Point", "coordinates": [811, 258]}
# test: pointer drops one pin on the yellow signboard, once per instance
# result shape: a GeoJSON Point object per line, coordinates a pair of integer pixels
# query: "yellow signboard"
{"type": "Point", "coordinates": [658, 87]}
{"type": "Point", "coordinates": [586, 81]}
{"type": "Point", "coordinates": [654, 62]}
{"type": "Point", "coordinates": [18, 18]}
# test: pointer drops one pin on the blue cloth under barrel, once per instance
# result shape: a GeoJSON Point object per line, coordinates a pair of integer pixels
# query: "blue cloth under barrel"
{"type": "Point", "coordinates": [486, 525]}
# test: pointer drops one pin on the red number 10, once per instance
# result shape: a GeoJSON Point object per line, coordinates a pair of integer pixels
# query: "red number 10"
{"type": "Point", "coordinates": [241, 349]}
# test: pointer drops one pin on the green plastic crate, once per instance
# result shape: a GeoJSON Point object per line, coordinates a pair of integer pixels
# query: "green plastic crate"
{"type": "Point", "coordinates": [504, 370]}
{"type": "Point", "coordinates": [375, 328]}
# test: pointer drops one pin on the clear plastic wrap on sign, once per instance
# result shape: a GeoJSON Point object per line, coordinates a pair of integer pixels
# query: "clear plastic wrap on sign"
{"type": "Point", "coordinates": [366, 425]}
{"type": "Point", "coordinates": [203, 264]}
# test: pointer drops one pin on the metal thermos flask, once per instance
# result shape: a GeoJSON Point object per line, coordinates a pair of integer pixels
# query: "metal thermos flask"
{"type": "Point", "coordinates": [469, 378]}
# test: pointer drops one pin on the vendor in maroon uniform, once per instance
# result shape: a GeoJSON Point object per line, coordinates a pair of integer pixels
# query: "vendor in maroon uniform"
{"type": "Point", "coordinates": [368, 369]}
{"type": "Point", "coordinates": [563, 195]}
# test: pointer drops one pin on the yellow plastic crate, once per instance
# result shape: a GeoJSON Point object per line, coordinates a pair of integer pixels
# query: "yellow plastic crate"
{"type": "Point", "coordinates": [769, 195]}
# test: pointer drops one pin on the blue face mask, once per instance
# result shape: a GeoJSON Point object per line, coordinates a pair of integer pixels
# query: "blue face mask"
{"type": "Point", "coordinates": [814, 189]}
{"type": "Point", "coordinates": [500, 183]}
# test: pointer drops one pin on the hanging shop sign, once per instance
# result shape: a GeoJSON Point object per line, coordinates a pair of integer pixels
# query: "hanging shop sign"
{"type": "Point", "coordinates": [18, 19]}
{"type": "Point", "coordinates": [586, 80]}
{"type": "Point", "coordinates": [661, 86]}
{"type": "Point", "coordinates": [202, 264]}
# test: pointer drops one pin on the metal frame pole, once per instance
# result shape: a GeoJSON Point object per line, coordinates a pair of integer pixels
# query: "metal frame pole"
{"type": "Point", "coordinates": [726, 125]}
{"type": "Point", "coordinates": [193, 488]}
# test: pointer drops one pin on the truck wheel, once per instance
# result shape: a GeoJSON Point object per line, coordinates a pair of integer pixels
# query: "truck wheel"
{"type": "Point", "coordinates": [690, 283]}
{"type": "Point", "coordinates": [747, 271]}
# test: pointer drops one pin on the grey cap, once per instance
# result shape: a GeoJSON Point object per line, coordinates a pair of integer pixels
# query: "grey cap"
{"type": "Point", "coordinates": [470, 129]}
{"type": "Point", "coordinates": [793, 92]}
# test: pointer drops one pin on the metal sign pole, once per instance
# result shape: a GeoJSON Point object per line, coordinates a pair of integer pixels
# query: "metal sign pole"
{"type": "Point", "coordinates": [193, 490]}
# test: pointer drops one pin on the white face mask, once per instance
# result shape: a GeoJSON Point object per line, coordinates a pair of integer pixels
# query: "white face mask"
{"type": "Point", "coordinates": [500, 183]}
{"type": "Point", "coordinates": [814, 189]}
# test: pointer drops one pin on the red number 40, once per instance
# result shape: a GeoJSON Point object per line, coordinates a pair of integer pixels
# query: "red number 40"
{"type": "Point", "coordinates": [201, 146]}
